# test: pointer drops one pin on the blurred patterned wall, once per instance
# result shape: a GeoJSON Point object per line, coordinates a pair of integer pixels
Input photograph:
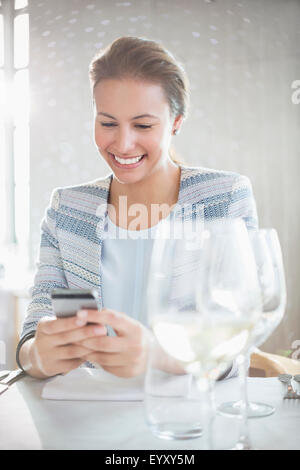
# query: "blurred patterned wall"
{"type": "Point", "coordinates": [242, 58]}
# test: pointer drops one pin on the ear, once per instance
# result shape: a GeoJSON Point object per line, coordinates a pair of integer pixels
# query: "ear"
{"type": "Point", "coordinates": [177, 124]}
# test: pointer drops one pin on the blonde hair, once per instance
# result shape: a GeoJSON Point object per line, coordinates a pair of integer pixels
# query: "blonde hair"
{"type": "Point", "coordinates": [143, 59]}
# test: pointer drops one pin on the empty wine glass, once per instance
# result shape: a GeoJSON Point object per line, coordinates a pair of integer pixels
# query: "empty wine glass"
{"type": "Point", "coordinates": [270, 269]}
{"type": "Point", "coordinates": [203, 296]}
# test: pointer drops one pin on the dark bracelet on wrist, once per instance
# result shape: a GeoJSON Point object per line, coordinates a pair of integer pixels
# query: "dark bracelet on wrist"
{"type": "Point", "coordinates": [23, 340]}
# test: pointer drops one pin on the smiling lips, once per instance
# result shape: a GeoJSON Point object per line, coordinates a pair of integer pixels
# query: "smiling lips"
{"type": "Point", "coordinates": [130, 162]}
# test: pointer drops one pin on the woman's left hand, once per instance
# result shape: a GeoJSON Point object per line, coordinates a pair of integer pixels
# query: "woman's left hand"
{"type": "Point", "coordinates": [124, 355]}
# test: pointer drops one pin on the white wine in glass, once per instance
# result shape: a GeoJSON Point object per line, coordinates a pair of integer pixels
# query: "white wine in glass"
{"type": "Point", "coordinates": [270, 269]}
{"type": "Point", "coordinates": [203, 296]}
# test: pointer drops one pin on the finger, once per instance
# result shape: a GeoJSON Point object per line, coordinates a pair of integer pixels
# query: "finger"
{"type": "Point", "coordinates": [59, 366]}
{"type": "Point", "coordinates": [125, 372]}
{"type": "Point", "coordinates": [79, 334]}
{"type": "Point", "coordinates": [106, 344]}
{"type": "Point", "coordinates": [66, 366]}
{"type": "Point", "coordinates": [119, 321]}
{"type": "Point", "coordinates": [53, 325]}
{"type": "Point", "coordinates": [108, 360]}
{"type": "Point", "coordinates": [71, 351]}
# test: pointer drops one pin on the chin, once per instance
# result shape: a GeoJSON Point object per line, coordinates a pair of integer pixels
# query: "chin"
{"type": "Point", "coordinates": [127, 179]}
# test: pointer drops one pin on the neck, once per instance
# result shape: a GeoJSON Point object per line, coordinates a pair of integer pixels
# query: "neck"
{"type": "Point", "coordinates": [159, 188]}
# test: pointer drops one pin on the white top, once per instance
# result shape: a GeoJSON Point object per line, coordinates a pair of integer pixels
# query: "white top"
{"type": "Point", "coordinates": [125, 264]}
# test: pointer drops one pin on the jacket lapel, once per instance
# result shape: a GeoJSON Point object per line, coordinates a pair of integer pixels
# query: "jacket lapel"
{"type": "Point", "coordinates": [188, 207]}
{"type": "Point", "coordinates": [91, 277]}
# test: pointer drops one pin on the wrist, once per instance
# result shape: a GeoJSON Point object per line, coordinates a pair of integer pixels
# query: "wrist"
{"type": "Point", "coordinates": [27, 359]}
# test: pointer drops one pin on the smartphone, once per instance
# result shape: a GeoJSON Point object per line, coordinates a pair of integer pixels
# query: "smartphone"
{"type": "Point", "coordinates": [67, 302]}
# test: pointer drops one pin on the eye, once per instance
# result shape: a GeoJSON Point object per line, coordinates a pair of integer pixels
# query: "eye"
{"type": "Point", "coordinates": [113, 124]}
{"type": "Point", "coordinates": [108, 124]}
{"type": "Point", "coordinates": [143, 126]}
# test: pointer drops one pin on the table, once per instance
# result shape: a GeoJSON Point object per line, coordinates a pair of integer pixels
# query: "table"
{"type": "Point", "coordinates": [29, 422]}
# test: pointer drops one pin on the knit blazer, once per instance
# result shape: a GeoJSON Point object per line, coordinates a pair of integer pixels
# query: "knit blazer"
{"type": "Point", "coordinates": [72, 230]}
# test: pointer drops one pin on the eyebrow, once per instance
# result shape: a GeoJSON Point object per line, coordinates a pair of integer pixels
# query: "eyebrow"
{"type": "Point", "coordinates": [135, 117]}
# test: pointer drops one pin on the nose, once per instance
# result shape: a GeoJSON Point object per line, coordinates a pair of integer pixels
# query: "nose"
{"type": "Point", "coordinates": [125, 140]}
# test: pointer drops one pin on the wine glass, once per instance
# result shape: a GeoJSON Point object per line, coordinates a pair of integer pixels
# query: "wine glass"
{"type": "Point", "coordinates": [270, 269]}
{"type": "Point", "coordinates": [203, 295]}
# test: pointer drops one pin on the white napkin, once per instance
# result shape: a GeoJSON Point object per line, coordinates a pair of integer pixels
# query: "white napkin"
{"type": "Point", "coordinates": [86, 383]}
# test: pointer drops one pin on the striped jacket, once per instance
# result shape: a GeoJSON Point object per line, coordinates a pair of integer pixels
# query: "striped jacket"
{"type": "Point", "coordinates": [74, 222]}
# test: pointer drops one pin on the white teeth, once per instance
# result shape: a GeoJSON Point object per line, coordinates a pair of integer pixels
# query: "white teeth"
{"type": "Point", "coordinates": [128, 161]}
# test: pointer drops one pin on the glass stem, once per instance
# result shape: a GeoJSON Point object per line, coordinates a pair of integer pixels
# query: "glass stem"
{"type": "Point", "coordinates": [206, 386]}
{"type": "Point", "coordinates": [244, 436]}
{"type": "Point", "coordinates": [212, 412]}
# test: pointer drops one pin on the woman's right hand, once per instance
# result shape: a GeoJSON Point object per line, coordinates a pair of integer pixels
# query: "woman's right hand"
{"type": "Point", "coordinates": [53, 350]}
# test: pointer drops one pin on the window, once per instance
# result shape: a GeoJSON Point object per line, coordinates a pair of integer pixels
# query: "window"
{"type": "Point", "coordinates": [14, 127]}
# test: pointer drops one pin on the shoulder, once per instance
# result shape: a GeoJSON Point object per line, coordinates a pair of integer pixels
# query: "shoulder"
{"type": "Point", "coordinates": [210, 183]}
{"type": "Point", "coordinates": [219, 193]}
{"type": "Point", "coordinates": [197, 175]}
{"type": "Point", "coordinates": [95, 191]}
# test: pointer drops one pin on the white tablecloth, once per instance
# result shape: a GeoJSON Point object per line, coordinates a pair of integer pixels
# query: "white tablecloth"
{"type": "Point", "coordinates": [29, 422]}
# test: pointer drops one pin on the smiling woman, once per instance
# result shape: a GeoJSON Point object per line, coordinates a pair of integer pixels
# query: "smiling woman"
{"type": "Point", "coordinates": [146, 61]}
{"type": "Point", "coordinates": [140, 98]}
{"type": "Point", "coordinates": [134, 139]}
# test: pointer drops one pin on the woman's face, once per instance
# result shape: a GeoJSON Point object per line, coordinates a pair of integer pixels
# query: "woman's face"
{"type": "Point", "coordinates": [132, 120]}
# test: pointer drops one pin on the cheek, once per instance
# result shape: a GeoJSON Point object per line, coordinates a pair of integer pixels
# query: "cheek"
{"type": "Point", "coordinates": [158, 141]}
{"type": "Point", "coordinates": [161, 142]}
{"type": "Point", "coordinates": [101, 139]}
{"type": "Point", "coordinates": [97, 138]}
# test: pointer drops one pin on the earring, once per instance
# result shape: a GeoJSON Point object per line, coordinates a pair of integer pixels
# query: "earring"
{"type": "Point", "coordinates": [175, 132]}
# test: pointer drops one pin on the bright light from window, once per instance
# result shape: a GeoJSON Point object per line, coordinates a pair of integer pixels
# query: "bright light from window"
{"type": "Point", "coordinates": [2, 159]}
{"type": "Point", "coordinates": [14, 136]}
{"type": "Point", "coordinates": [1, 42]}
{"type": "Point", "coordinates": [2, 185]}
{"type": "Point", "coordinates": [21, 148]}
{"type": "Point", "coordinates": [2, 98]}
{"type": "Point", "coordinates": [20, 4]}
{"type": "Point", "coordinates": [20, 97]}
{"type": "Point", "coordinates": [21, 41]}
{"type": "Point", "coordinates": [21, 156]}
